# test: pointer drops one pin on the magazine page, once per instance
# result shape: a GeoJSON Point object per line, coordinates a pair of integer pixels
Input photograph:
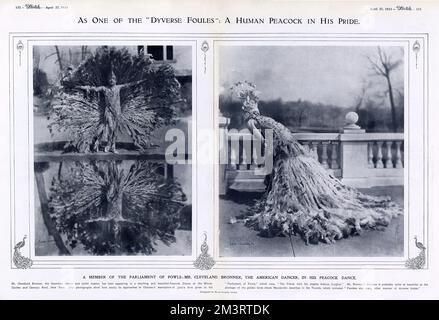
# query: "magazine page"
{"type": "Point", "coordinates": [219, 150]}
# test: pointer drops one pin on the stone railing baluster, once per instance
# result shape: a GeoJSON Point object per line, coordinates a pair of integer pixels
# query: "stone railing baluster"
{"type": "Point", "coordinates": [388, 153]}
{"type": "Point", "coordinates": [334, 155]}
{"type": "Point", "coordinates": [224, 153]}
{"type": "Point", "coordinates": [379, 163]}
{"type": "Point", "coordinates": [256, 153]}
{"type": "Point", "coordinates": [354, 155]}
{"type": "Point", "coordinates": [370, 155]}
{"type": "Point", "coordinates": [313, 148]}
{"type": "Point", "coordinates": [234, 154]}
{"type": "Point", "coordinates": [169, 171]}
{"type": "Point", "coordinates": [325, 154]}
{"type": "Point", "coordinates": [398, 162]}
{"type": "Point", "coordinates": [305, 144]}
{"type": "Point", "coordinates": [246, 150]}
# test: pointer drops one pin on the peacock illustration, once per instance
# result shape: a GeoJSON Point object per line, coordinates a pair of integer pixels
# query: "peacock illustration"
{"type": "Point", "coordinates": [114, 94]}
{"type": "Point", "coordinates": [204, 261]}
{"type": "Point", "coordinates": [110, 211]}
{"type": "Point", "coordinates": [20, 261]}
{"type": "Point", "coordinates": [417, 262]}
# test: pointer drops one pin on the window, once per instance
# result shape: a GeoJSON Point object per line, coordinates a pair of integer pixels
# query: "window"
{"type": "Point", "coordinates": [159, 53]}
{"type": "Point", "coordinates": [155, 51]}
{"type": "Point", "coordinates": [169, 53]}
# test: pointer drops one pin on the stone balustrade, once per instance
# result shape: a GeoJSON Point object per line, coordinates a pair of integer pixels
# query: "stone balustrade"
{"type": "Point", "coordinates": [356, 157]}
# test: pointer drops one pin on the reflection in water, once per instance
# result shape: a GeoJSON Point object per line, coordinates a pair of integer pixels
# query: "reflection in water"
{"type": "Point", "coordinates": [111, 210]}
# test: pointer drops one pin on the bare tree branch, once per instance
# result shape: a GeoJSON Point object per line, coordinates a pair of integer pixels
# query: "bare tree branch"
{"type": "Point", "coordinates": [383, 65]}
{"type": "Point", "coordinates": [361, 96]}
{"type": "Point", "coordinates": [376, 68]}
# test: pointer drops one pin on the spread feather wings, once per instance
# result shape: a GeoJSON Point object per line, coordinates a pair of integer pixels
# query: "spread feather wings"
{"type": "Point", "coordinates": [80, 206]}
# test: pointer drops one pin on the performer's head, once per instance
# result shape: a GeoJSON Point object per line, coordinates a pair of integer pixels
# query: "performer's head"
{"type": "Point", "coordinates": [248, 95]}
{"type": "Point", "coordinates": [112, 80]}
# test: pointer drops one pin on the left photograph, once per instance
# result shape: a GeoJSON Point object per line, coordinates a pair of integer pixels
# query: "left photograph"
{"type": "Point", "coordinates": [112, 150]}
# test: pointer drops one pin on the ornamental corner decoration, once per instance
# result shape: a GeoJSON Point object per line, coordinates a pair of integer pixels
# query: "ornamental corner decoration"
{"type": "Point", "coordinates": [417, 262]}
{"type": "Point", "coordinates": [20, 48]}
{"type": "Point", "coordinates": [204, 260]}
{"type": "Point", "coordinates": [416, 48]}
{"type": "Point", "coordinates": [21, 262]}
{"type": "Point", "coordinates": [205, 48]}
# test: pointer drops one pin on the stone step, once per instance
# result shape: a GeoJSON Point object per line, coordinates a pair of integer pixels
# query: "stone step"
{"type": "Point", "coordinates": [248, 185]}
{"type": "Point", "coordinates": [243, 174]}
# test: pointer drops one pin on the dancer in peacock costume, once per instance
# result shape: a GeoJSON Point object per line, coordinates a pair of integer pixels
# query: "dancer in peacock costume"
{"type": "Point", "coordinates": [302, 197]}
{"type": "Point", "coordinates": [113, 92]}
{"type": "Point", "coordinates": [97, 204]}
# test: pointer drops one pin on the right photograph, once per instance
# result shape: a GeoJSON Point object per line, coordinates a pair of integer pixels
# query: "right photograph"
{"type": "Point", "coordinates": [311, 150]}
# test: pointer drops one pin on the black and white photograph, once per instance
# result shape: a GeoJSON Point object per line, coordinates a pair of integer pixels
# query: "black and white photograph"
{"type": "Point", "coordinates": [328, 123]}
{"type": "Point", "coordinates": [103, 182]}
{"type": "Point", "coordinates": [219, 151]}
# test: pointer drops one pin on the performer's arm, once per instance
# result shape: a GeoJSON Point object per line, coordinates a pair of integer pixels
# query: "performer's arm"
{"type": "Point", "coordinates": [134, 83]}
{"type": "Point", "coordinates": [90, 88]}
{"type": "Point", "coordinates": [256, 132]}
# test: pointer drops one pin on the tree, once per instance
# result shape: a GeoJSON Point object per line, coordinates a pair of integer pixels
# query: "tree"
{"type": "Point", "coordinates": [383, 65]}
{"type": "Point", "coordinates": [301, 112]}
{"type": "Point", "coordinates": [59, 59]}
{"type": "Point", "coordinates": [361, 96]}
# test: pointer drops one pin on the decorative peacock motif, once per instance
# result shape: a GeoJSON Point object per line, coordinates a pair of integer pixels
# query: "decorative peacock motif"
{"type": "Point", "coordinates": [417, 262]}
{"type": "Point", "coordinates": [204, 261]}
{"type": "Point", "coordinates": [20, 261]}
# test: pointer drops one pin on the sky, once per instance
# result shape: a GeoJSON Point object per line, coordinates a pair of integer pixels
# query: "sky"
{"type": "Point", "coordinates": [330, 74]}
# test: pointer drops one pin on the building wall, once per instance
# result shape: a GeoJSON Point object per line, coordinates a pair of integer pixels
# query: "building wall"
{"type": "Point", "coordinates": [45, 58]}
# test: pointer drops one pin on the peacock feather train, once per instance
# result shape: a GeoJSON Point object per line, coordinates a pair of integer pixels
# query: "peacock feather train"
{"type": "Point", "coordinates": [302, 197]}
